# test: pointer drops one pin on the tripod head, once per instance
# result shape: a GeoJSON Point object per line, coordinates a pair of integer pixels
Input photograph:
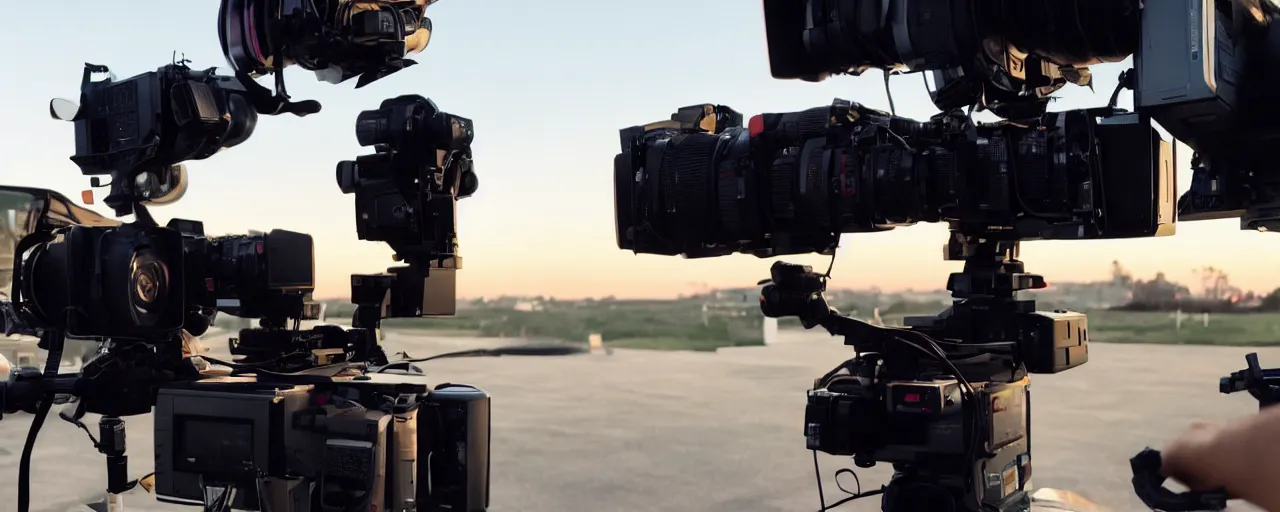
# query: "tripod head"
{"type": "Point", "coordinates": [987, 317]}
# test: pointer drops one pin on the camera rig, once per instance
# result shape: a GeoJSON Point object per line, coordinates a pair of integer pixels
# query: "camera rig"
{"type": "Point", "coordinates": [137, 129]}
{"type": "Point", "coordinates": [336, 39]}
{"type": "Point", "coordinates": [141, 290]}
{"type": "Point", "coordinates": [945, 399]}
{"type": "Point", "coordinates": [406, 195]}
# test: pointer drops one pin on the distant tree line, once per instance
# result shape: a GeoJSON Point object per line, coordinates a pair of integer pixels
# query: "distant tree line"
{"type": "Point", "coordinates": [1218, 296]}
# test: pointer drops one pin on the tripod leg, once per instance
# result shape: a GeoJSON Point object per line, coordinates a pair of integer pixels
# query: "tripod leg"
{"type": "Point", "coordinates": [111, 442]}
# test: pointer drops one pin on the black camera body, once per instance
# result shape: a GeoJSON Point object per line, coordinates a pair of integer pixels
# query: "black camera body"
{"type": "Point", "coordinates": [384, 443]}
{"type": "Point", "coordinates": [143, 125]}
{"type": "Point", "coordinates": [337, 39]}
{"type": "Point", "coordinates": [158, 118]}
{"type": "Point", "coordinates": [406, 195]}
{"type": "Point", "coordinates": [140, 282]}
{"type": "Point", "coordinates": [1210, 83]}
{"type": "Point", "coordinates": [922, 423]}
{"type": "Point", "coordinates": [703, 185]}
{"type": "Point", "coordinates": [267, 275]}
{"type": "Point", "coordinates": [996, 56]}
{"type": "Point", "coordinates": [1203, 71]}
{"type": "Point", "coordinates": [945, 399]}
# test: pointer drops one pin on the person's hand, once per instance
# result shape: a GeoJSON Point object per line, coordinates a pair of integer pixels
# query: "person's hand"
{"type": "Point", "coordinates": [1189, 458]}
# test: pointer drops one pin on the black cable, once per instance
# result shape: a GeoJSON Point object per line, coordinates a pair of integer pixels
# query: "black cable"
{"type": "Point", "coordinates": [514, 350]}
{"type": "Point", "coordinates": [74, 419]}
{"type": "Point", "coordinates": [969, 396]}
{"type": "Point", "coordinates": [847, 499]}
{"type": "Point", "coordinates": [842, 471]}
{"type": "Point", "coordinates": [822, 497]}
{"type": "Point", "coordinates": [888, 91]}
{"type": "Point", "coordinates": [817, 473]}
{"type": "Point", "coordinates": [53, 359]}
{"type": "Point", "coordinates": [24, 464]}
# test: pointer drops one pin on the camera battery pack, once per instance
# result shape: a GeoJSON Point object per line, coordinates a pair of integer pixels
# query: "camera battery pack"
{"type": "Point", "coordinates": [453, 452]}
{"type": "Point", "coordinates": [1058, 341]}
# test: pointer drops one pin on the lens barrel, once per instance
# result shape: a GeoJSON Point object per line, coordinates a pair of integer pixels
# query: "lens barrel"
{"type": "Point", "coordinates": [814, 38]}
{"type": "Point", "coordinates": [411, 123]}
{"type": "Point", "coordinates": [124, 281]}
{"type": "Point", "coordinates": [794, 182]}
{"type": "Point", "coordinates": [254, 276]}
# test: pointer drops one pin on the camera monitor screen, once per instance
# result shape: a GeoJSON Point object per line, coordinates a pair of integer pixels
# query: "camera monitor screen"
{"type": "Point", "coordinates": [214, 447]}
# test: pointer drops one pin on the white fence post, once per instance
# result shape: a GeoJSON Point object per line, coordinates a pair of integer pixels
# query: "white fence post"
{"type": "Point", "coordinates": [770, 327]}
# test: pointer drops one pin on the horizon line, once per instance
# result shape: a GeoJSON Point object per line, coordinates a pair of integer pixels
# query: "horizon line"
{"type": "Point", "coordinates": [714, 290]}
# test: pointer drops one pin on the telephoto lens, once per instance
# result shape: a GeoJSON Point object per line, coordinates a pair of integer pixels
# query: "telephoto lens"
{"type": "Point", "coordinates": [703, 185]}
{"type": "Point", "coordinates": [337, 39]}
{"type": "Point", "coordinates": [812, 39]}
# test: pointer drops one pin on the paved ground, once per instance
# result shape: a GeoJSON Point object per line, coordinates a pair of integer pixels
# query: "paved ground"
{"type": "Point", "coordinates": [651, 431]}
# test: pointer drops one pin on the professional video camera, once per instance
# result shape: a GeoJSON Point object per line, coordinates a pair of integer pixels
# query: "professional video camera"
{"type": "Point", "coordinates": [944, 399]}
{"type": "Point", "coordinates": [921, 398]}
{"type": "Point", "coordinates": [1203, 70]}
{"type": "Point", "coordinates": [406, 195]}
{"type": "Point", "coordinates": [337, 39]}
{"type": "Point", "coordinates": [702, 185]}
{"type": "Point", "coordinates": [138, 129]}
{"type": "Point", "coordinates": [315, 419]}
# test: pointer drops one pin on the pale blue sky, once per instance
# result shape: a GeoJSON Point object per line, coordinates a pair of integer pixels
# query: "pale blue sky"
{"type": "Point", "coordinates": [548, 85]}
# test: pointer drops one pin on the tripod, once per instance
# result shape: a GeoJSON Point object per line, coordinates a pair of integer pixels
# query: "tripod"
{"type": "Point", "coordinates": [946, 398]}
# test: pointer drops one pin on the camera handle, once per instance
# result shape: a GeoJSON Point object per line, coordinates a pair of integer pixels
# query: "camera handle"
{"type": "Point", "coordinates": [267, 103]}
{"type": "Point", "coordinates": [1148, 482]}
{"type": "Point", "coordinates": [796, 290]}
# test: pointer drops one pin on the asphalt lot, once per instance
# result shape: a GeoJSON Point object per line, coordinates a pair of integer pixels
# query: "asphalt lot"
{"type": "Point", "coordinates": [663, 431]}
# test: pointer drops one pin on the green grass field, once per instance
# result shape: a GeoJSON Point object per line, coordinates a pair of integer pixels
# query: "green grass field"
{"type": "Point", "coordinates": [660, 325]}
{"type": "Point", "coordinates": [1258, 329]}
{"type": "Point", "coordinates": [680, 325]}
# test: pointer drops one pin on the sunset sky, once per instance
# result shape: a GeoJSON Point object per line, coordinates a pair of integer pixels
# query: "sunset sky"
{"type": "Point", "coordinates": [548, 90]}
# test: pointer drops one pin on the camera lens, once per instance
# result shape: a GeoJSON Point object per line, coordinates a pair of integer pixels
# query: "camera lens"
{"type": "Point", "coordinates": [679, 193]}
{"type": "Point", "coordinates": [374, 127]}
{"type": "Point", "coordinates": [241, 32]}
{"type": "Point", "coordinates": [149, 287]}
{"type": "Point", "coordinates": [812, 38]}
{"type": "Point", "coordinates": [243, 120]}
{"type": "Point", "coordinates": [257, 276]}
{"type": "Point", "coordinates": [797, 185]}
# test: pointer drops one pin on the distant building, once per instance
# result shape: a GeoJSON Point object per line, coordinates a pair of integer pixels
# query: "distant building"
{"type": "Point", "coordinates": [528, 305]}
